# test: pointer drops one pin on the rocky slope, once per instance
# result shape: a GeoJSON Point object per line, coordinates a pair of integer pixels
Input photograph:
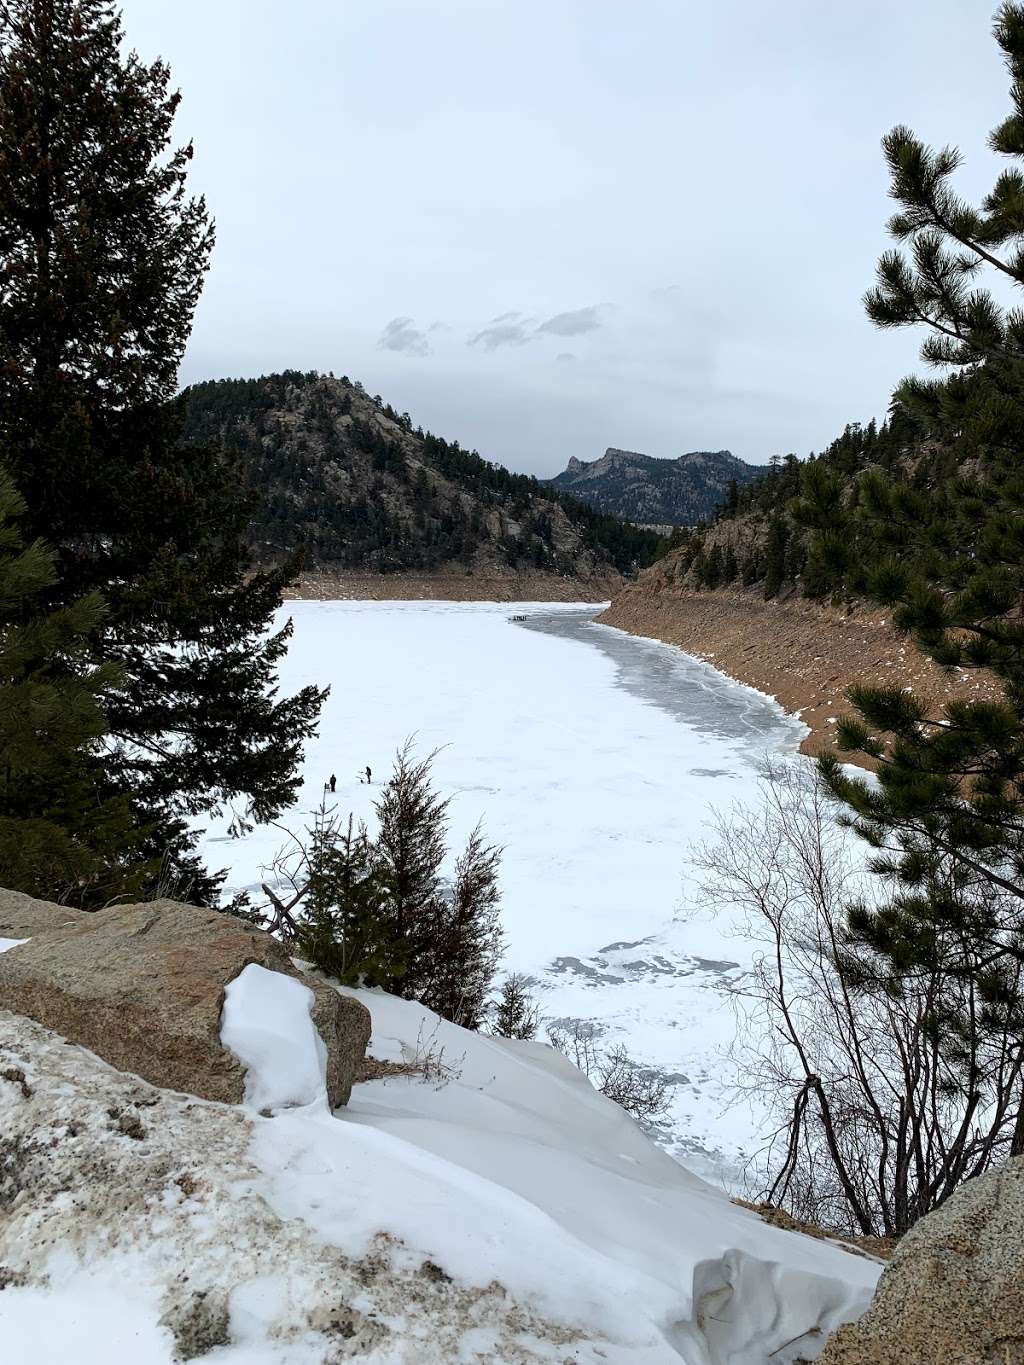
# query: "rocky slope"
{"type": "Point", "coordinates": [349, 480]}
{"type": "Point", "coordinates": [655, 492]}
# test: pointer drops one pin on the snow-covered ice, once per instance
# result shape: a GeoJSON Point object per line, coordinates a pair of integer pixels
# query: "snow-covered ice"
{"type": "Point", "coordinates": [496, 1210]}
{"type": "Point", "coordinates": [594, 759]}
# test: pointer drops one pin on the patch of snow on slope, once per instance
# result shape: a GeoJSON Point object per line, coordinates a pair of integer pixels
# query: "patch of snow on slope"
{"type": "Point", "coordinates": [6, 943]}
{"type": "Point", "coordinates": [267, 1025]}
{"type": "Point", "coordinates": [501, 1211]}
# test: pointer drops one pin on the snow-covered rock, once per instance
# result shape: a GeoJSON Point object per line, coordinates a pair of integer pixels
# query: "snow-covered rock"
{"type": "Point", "coordinates": [483, 1204]}
{"type": "Point", "coordinates": [143, 986]}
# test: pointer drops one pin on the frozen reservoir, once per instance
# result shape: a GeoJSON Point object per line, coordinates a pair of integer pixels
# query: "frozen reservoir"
{"type": "Point", "coordinates": [594, 758]}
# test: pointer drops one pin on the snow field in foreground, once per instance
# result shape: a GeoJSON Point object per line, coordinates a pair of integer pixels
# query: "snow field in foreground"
{"type": "Point", "coordinates": [594, 758]}
{"type": "Point", "coordinates": [501, 1211]}
{"type": "Point", "coordinates": [506, 1167]}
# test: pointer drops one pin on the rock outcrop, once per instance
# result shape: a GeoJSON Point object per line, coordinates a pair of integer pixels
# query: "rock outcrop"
{"type": "Point", "coordinates": [22, 917]}
{"type": "Point", "coordinates": [143, 986]}
{"type": "Point", "coordinates": [655, 492]}
{"type": "Point", "coordinates": [953, 1293]}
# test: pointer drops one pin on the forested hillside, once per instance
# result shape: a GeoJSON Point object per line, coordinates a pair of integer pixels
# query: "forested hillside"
{"type": "Point", "coordinates": [351, 481]}
{"type": "Point", "coordinates": [760, 533]}
{"type": "Point", "coordinates": [655, 492]}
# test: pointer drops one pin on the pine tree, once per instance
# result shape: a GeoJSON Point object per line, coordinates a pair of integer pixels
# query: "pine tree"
{"type": "Point", "coordinates": [775, 556]}
{"type": "Point", "coordinates": [515, 1015]}
{"type": "Point", "coordinates": [713, 568]}
{"type": "Point", "coordinates": [346, 929]}
{"type": "Point", "coordinates": [699, 567]}
{"type": "Point", "coordinates": [465, 938]}
{"type": "Point", "coordinates": [730, 566]}
{"type": "Point", "coordinates": [411, 842]}
{"type": "Point", "coordinates": [102, 256]}
{"type": "Point", "coordinates": [63, 833]}
{"type": "Point", "coordinates": [946, 552]}
{"type": "Point", "coordinates": [380, 913]}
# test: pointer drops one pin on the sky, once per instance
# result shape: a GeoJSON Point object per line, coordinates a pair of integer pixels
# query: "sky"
{"type": "Point", "coordinates": [544, 227]}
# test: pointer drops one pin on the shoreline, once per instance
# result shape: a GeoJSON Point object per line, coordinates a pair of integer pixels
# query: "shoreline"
{"type": "Point", "coordinates": [450, 587]}
{"type": "Point", "coordinates": [801, 653]}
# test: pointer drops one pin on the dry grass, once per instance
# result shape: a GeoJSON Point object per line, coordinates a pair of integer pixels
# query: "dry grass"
{"type": "Point", "coordinates": [372, 1069]}
{"type": "Point", "coordinates": [880, 1248]}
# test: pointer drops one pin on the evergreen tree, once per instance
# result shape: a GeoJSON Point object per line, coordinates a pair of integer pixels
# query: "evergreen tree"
{"type": "Point", "coordinates": [515, 1015]}
{"type": "Point", "coordinates": [381, 914]}
{"type": "Point", "coordinates": [102, 257]}
{"type": "Point", "coordinates": [699, 567]}
{"type": "Point", "coordinates": [63, 833]}
{"type": "Point", "coordinates": [730, 566]}
{"type": "Point", "coordinates": [946, 551]}
{"type": "Point", "coordinates": [714, 567]}
{"type": "Point", "coordinates": [775, 555]}
{"type": "Point", "coordinates": [465, 938]}
{"type": "Point", "coordinates": [346, 928]}
{"type": "Point", "coordinates": [411, 843]}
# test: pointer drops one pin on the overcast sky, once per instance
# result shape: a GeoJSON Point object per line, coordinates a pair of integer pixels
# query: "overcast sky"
{"type": "Point", "coordinates": [548, 226]}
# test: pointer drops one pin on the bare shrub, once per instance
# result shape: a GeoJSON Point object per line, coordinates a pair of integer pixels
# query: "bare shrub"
{"type": "Point", "coordinates": [430, 1059]}
{"type": "Point", "coordinates": [879, 1114]}
{"type": "Point", "coordinates": [641, 1091]}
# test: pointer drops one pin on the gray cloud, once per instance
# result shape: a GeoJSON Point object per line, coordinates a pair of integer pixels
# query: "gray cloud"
{"type": "Point", "coordinates": [565, 356]}
{"type": "Point", "coordinates": [502, 334]}
{"type": "Point", "coordinates": [401, 335]}
{"type": "Point", "coordinates": [516, 329]}
{"type": "Point", "coordinates": [575, 323]}
{"type": "Point", "coordinates": [753, 340]}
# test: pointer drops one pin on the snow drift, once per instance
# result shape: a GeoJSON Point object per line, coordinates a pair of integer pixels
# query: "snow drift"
{"type": "Point", "coordinates": [486, 1204]}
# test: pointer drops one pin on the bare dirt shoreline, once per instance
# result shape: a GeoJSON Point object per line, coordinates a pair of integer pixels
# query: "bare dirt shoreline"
{"type": "Point", "coordinates": [451, 587]}
{"type": "Point", "coordinates": [802, 653]}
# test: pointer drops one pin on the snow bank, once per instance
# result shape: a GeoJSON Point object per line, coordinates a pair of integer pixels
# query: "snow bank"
{"type": "Point", "coordinates": [6, 943]}
{"type": "Point", "coordinates": [486, 1205]}
{"type": "Point", "coordinates": [509, 1166]}
{"type": "Point", "coordinates": [266, 1024]}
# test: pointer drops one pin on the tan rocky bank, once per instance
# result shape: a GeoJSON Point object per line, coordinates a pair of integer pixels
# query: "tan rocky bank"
{"type": "Point", "coordinates": [803, 653]}
{"type": "Point", "coordinates": [953, 1293]}
{"type": "Point", "coordinates": [452, 586]}
{"type": "Point", "coordinates": [142, 986]}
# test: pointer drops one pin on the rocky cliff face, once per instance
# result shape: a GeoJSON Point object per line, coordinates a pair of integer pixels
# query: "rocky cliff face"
{"type": "Point", "coordinates": [649, 491]}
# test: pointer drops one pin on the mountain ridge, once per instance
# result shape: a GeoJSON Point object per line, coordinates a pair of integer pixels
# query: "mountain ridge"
{"type": "Point", "coordinates": [349, 480]}
{"type": "Point", "coordinates": [649, 490]}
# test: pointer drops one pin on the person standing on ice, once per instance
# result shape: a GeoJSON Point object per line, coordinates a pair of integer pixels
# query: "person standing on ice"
{"type": "Point", "coordinates": [369, 775]}
{"type": "Point", "coordinates": [332, 783]}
